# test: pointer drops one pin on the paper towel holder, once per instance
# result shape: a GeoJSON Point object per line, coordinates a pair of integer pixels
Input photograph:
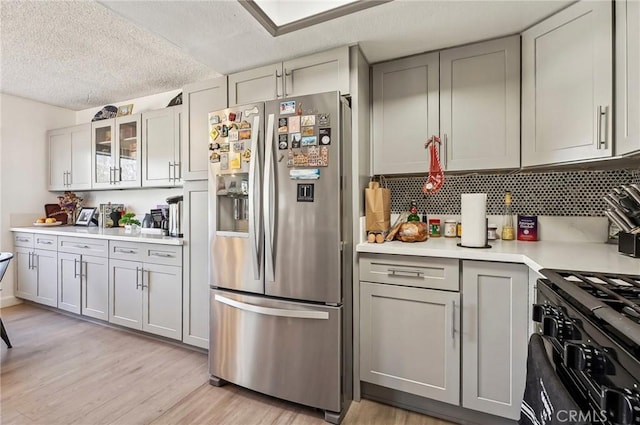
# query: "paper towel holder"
{"type": "Point", "coordinates": [481, 247]}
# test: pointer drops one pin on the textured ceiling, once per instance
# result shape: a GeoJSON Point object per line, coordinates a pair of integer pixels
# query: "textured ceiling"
{"type": "Point", "coordinates": [80, 54]}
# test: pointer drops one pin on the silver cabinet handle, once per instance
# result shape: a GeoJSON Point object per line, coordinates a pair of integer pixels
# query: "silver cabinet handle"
{"type": "Point", "coordinates": [143, 271]}
{"type": "Point", "coordinates": [278, 77]}
{"type": "Point", "coordinates": [163, 255]}
{"type": "Point", "coordinates": [29, 263]}
{"type": "Point", "coordinates": [405, 273]}
{"type": "Point", "coordinates": [171, 165]}
{"type": "Point", "coordinates": [36, 261]}
{"type": "Point", "coordinates": [75, 268]}
{"type": "Point", "coordinates": [255, 235]}
{"type": "Point", "coordinates": [126, 251]}
{"type": "Point", "coordinates": [178, 175]}
{"type": "Point", "coordinates": [285, 85]}
{"type": "Point", "coordinates": [64, 178]}
{"type": "Point", "coordinates": [86, 266]}
{"type": "Point", "coordinates": [137, 277]}
{"type": "Point", "coordinates": [45, 242]}
{"type": "Point", "coordinates": [69, 178]}
{"type": "Point", "coordinates": [22, 239]}
{"type": "Point", "coordinates": [453, 321]}
{"type": "Point", "coordinates": [603, 113]}
{"type": "Point", "coordinates": [82, 246]}
{"type": "Point", "coordinates": [445, 140]}
{"type": "Point", "coordinates": [269, 311]}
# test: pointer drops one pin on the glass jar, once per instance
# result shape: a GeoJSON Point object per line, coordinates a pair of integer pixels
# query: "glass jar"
{"type": "Point", "coordinates": [449, 228]}
{"type": "Point", "coordinates": [492, 231]}
{"type": "Point", "coordinates": [434, 227]}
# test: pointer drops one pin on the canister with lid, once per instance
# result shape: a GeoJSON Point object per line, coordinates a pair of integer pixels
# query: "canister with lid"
{"type": "Point", "coordinates": [434, 227]}
{"type": "Point", "coordinates": [449, 228]}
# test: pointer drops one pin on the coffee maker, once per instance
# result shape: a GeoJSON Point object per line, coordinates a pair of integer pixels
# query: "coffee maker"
{"type": "Point", "coordinates": [175, 216]}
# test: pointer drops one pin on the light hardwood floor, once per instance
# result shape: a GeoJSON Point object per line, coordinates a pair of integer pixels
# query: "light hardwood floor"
{"type": "Point", "coordinates": [63, 370]}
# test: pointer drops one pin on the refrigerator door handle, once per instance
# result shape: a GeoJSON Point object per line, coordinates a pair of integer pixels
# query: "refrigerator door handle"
{"type": "Point", "coordinates": [254, 191]}
{"type": "Point", "coordinates": [268, 201]}
{"type": "Point", "coordinates": [270, 311]}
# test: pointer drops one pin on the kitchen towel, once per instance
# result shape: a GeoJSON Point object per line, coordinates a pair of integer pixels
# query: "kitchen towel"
{"type": "Point", "coordinates": [474, 220]}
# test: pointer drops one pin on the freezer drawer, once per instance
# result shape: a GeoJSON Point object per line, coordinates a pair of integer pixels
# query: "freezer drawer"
{"type": "Point", "coordinates": [284, 349]}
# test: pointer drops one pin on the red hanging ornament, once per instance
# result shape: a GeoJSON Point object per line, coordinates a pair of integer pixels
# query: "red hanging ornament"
{"type": "Point", "coordinates": [435, 180]}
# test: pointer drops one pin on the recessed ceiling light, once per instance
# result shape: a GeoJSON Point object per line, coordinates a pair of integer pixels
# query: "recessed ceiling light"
{"type": "Point", "coordinates": [283, 16]}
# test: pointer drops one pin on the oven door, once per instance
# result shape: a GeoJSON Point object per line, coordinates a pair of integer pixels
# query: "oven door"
{"type": "Point", "coordinates": [586, 361]}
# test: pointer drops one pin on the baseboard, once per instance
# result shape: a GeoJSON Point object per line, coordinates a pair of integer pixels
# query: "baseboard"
{"type": "Point", "coordinates": [438, 409]}
{"type": "Point", "coordinates": [9, 301]}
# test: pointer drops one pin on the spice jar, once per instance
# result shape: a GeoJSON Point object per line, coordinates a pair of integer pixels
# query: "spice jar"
{"type": "Point", "coordinates": [449, 228]}
{"type": "Point", "coordinates": [492, 232]}
{"type": "Point", "coordinates": [434, 227]}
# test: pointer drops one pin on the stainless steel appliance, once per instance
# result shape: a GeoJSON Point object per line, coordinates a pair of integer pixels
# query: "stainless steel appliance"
{"type": "Point", "coordinates": [592, 322]}
{"type": "Point", "coordinates": [175, 216]}
{"type": "Point", "coordinates": [280, 264]}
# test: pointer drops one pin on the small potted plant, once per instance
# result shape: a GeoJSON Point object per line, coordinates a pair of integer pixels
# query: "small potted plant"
{"type": "Point", "coordinates": [129, 222]}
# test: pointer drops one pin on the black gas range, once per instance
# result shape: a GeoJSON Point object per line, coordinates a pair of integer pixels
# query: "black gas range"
{"type": "Point", "coordinates": [592, 323]}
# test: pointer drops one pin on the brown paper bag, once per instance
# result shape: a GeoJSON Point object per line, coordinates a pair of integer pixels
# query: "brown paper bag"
{"type": "Point", "coordinates": [377, 207]}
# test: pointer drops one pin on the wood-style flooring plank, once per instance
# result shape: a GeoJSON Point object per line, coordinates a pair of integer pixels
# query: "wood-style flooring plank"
{"type": "Point", "coordinates": [64, 370]}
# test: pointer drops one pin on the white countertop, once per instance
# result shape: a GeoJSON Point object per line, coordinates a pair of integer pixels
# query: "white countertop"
{"type": "Point", "coordinates": [577, 256]}
{"type": "Point", "coordinates": [100, 233]}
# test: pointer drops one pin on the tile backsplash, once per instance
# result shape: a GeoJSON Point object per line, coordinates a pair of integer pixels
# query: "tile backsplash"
{"type": "Point", "coordinates": [567, 193]}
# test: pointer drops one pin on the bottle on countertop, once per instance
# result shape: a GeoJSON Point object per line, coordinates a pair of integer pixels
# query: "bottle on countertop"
{"type": "Point", "coordinates": [508, 233]}
{"type": "Point", "coordinates": [413, 210]}
{"type": "Point", "coordinates": [424, 217]}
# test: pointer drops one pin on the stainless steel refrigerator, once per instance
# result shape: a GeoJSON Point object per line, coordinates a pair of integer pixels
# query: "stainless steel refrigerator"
{"type": "Point", "coordinates": [280, 263]}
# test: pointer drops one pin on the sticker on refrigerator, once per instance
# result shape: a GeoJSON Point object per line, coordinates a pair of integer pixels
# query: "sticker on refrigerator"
{"type": "Point", "coordinates": [314, 156]}
{"type": "Point", "coordinates": [325, 136]}
{"type": "Point", "coordinates": [324, 157]}
{"type": "Point", "coordinates": [214, 146]}
{"type": "Point", "coordinates": [234, 161]}
{"type": "Point", "coordinates": [323, 120]}
{"type": "Point", "coordinates": [232, 116]}
{"type": "Point", "coordinates": [290, 158]}
{"type": "Point", "coordinates": [244, 134]}
{"type": "Point", "coordinates": [308, 120]}
{"type": "Point", "coordinates": [282, 125]}
{"type": "Point", "coordinates": [309, 141]}
{"type": "Point", "coordinates": [283, 141]}
{"type": "Point", "coordinates": [308, 174]}
{"type": "Point", "coordinates": [307, 131]}
{"type": "Point", "coordinates": [295, 140]}
{"type": "Point", "coordinates": [238, 146]}
{"type": "Point", "coordinates": [214, 134]}
{"type": "Point", "coordinates": [253, 111]}
{"type": "Point", "coordinates": [224, 161]}
{"type": "Point", "coordinates": [300, 160]}
{"type": "Point", "coordinates": [288, 107]}
{"type": "Point", "coordinates": [246, 155]}
{"type": "Point", "coordinates": [244, 125]}
{"type": "Point", "coordinates": [225, 130]}
{"type": "Point", "coordinates": [214, 119]}
{"type": "Point", "coordinates": [214, 157]}
{"type": "Point", "coordinates": [224, 147]}
{"type": "Point", "coordinates": [294, 124]}
{"type": "Point", "coordinates": [233, 135]}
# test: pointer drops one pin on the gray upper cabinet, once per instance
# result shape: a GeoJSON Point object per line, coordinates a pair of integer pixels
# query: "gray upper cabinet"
{"type": "Point", "coordinates": [161, 147]}
{"type": "Point", "coordinates": [256, 85]}
{"type": "Point", "coordinates": [70, 158]}
{"type": "Point", "coordinates": [627, 76]}
{"type": "Point", "coordinates": [480, 105]}
{"type": "Point", "coordinates": [567, 86]}
{"type": "Point", "coordinates": [495, 323]}
{"type": "Point", "coordinates": [405, 113]}
{"type": "Point", "coordinates": [321, 72]}
{"type": "Point", "coordinates": [198, 100]}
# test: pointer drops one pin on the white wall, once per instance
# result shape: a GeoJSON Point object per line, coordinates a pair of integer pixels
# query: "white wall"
{"type": "Point", "coordinates": [23, 169]}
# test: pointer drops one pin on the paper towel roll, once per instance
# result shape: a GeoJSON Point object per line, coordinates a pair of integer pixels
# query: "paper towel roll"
{"type": "Point", "coordinates": [474, 219]}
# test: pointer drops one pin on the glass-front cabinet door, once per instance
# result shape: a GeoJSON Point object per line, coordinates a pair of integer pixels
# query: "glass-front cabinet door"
{"type": "Point", "coordinates": [116, 153]}
{"type": "Point", "coordinates": [103, 149]}
{"type": "Point", "coordinates": [128, 171]}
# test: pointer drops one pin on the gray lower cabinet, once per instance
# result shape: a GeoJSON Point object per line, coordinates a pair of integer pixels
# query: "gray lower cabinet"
{"type": "Point", "coordinates": [95, 287]}
{"type": "Point", "coordinates": [495, 335]}
{"type": "Point", "coordinates": [37, 277]}
{"type": "Point", "coordinates": [410, 340]}
{"type": "Point", "coordinates": [69, 266]}
{"type": "Point", "coordinates": [146, 297]}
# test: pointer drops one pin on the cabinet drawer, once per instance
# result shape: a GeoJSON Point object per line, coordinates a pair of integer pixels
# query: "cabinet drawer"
{"type": "Point", "coordinates": [422, 272]}
{"type": "Point", "coordinates": [122, 250]}
{"type": "Point", "coordinates": [48, 242]}
{"type": "Point", "coordinates": [97, 247]}
{"type": "Point", "coordinates": [162, 254]}
{"type": "Point", "coordinates": [24, 240]}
